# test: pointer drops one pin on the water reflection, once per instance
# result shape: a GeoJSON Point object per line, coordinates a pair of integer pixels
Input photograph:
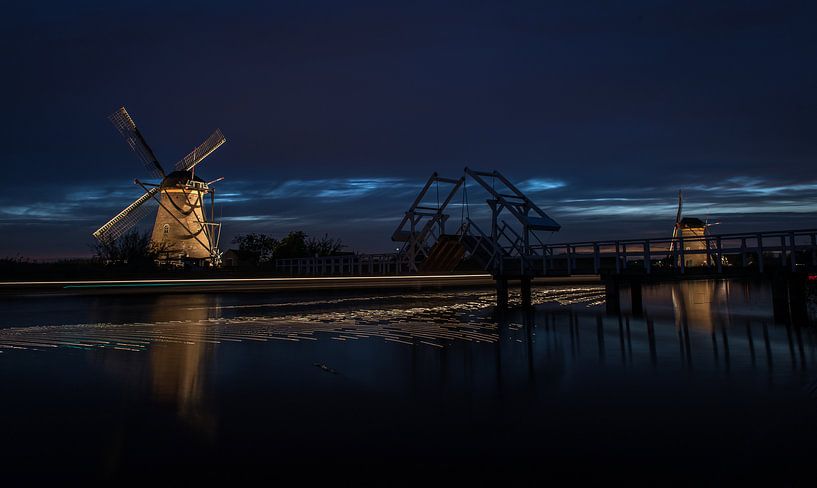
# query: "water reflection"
{"type": "Point", "coordinates": [178, 369]}
{"type": "Point", "coordinates": [750, 343]}
{"type": "Point", "coordinates": [712, 325]}
{"type": "Point", "coordinates": [178, 355]}
{"type": "Point", "coordinates": [366, 377]}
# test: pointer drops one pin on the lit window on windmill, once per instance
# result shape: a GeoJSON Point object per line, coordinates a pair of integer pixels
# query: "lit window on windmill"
{"type": "Point", "coordinates": [165, 231]}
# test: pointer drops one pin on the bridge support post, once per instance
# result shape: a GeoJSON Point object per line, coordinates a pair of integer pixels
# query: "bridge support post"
{"type": "Point", "coordinates": [708, 253]}
{"type": "Point", "coordinates": [813, 250]}
{"type": "Point", "coordinates": [624, 256]}
{"type": "Point", "coordinates": [784, 252]}
{"type": "Point", "coordinates": [647, 257]}
{"type": "Point", "coordinates": [525, 288]}
{"type": "Point", "coordinates": [719, 243]}
{"type": "Point", "coordinates": [545, 261]}
{"type": "Point", "coordinates": [596, 258]}
{"type": "Point", "coordinates": [681, 257]}
{"type": "Point", "coordinates": [501, 292]}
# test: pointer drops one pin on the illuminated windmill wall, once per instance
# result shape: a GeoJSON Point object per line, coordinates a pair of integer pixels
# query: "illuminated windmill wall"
{"type": "Point", "coordinates": [181, 230]}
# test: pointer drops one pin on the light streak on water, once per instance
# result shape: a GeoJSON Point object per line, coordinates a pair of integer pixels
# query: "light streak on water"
{"type": "Point", "coordinates": [452, 316]}
{"type": "Point", "coordinates": [183, 282]}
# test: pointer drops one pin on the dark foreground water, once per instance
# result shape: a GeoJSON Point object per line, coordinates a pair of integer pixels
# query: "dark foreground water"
{"type": "Point", "coordinates": [419, 387]}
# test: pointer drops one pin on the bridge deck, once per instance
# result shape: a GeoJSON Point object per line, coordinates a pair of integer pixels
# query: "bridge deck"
{"type": "Point", "coordinates": [792, 250]}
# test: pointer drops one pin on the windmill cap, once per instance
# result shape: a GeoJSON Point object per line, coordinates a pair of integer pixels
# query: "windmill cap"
{"type": "Point", "coordinates": [692, 222]}
{"type": "Point", "coordinates": [180, 178]}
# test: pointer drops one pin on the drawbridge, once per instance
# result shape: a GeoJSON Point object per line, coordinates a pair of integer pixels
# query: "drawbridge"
{"type": "Point", "coordinates": [503, 247]}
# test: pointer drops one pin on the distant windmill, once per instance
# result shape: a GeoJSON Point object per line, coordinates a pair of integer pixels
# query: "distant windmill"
{"type": "Point", "coordinates": [692, 232]}
{"type": "Point", "coordinates": [181, 228]}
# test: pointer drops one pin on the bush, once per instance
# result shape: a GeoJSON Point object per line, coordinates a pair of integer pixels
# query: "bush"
{"type": "Point", "coordinates": [255, 248]}
{"type": "Point", "coordinates": [133, 249]}
{"type": "Point", "coordinates": [325, 246]}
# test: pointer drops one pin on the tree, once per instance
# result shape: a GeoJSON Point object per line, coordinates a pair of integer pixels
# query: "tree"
{"type": "Point", "coordinates": [325, 246]}
{"type": "Point", "coordinates": [292, 246]}
{"type": "Point", "coordinates": [133, 249]}
{"type": "Point", "coordinates": [261, 248]}
{"type": "Point", "coordinates": [256, 248]}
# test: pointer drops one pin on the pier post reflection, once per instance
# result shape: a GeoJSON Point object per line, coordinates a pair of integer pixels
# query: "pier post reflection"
{"type": "Point", "coordinates": [700, 316]}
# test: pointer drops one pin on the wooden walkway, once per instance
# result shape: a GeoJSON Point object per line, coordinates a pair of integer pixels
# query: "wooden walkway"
{"type": "Point", "coordinates": [788, 258]}
{"type": "Point", "coordinates": [793, 250]}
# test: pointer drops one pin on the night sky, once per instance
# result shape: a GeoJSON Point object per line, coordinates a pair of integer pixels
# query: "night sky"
{"type": "Point", "coordinates": [336, 112]}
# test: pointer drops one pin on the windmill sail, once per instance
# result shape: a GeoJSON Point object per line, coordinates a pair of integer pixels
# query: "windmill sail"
{"type": "Point", "coordinates": [212, 143]}
{"type": "Point", "coordinates": [677, 227]}
{"type": "Point", "coordinates": [127, 218]}
{"type": "Point", "coordinates": [680, 207]}
{"type": "Point", "coordinates": [127, 127]}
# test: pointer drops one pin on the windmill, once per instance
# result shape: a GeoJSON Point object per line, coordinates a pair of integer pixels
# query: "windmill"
{"type": "Point", "coordinates": [181, 230]}
{"type": "Point", "coordinates": [692, 232]}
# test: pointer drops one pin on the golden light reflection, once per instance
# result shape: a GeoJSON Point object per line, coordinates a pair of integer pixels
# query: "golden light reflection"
{"type": "Point", "coordinates": [692, 303]}
{"type": "Point", "coordinates": [178, 368]}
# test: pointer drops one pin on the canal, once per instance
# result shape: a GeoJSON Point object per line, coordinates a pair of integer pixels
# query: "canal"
{"type": "Point", "coordinates": [703, 387]}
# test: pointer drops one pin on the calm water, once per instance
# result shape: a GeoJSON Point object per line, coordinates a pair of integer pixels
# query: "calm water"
{"type": "Point", "coordinates": [704, 388]}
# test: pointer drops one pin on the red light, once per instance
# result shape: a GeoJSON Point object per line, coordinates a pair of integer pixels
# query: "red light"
{"type": "Point", "coordinates": [812, 277]}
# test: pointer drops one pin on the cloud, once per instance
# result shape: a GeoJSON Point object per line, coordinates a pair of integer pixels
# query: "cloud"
{"type": "Point", "coordinates": [336, 188]}
{"type": "Point", "coordinates": [103, 195]}
{"type": "Point", "coordinates": [757, 186]}
{"type": "Point", "coordinates": [535, 185]}
{"type": "Point", "coordinates": [738, 195]}
{"type": "Point", "coordinates": [259, 218]}
{"type": "Point", "coordinates": [232, 197]}
{"type": "Point", "coordinates": [38, 212]}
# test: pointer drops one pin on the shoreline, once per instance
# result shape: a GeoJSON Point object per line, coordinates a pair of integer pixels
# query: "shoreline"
{"type": "Point", "coordinates": [230, 285]}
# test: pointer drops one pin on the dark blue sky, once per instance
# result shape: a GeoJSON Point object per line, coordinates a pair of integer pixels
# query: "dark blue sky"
{"type": "Point", "coordinates": [336, 112]}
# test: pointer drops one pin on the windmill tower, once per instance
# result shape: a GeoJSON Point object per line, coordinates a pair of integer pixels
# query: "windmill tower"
{"type": "Point", "coordinates": [181, 230]}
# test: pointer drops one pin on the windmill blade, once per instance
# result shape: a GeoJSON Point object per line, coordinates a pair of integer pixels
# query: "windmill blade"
{"type": "Point", "coordinates": [680, 207]}
{"type": "Point", "coordinates": [675, 228]}
{"type": "Point", "coordinates": [127, 218]}
{"type": "Point", "coordinates": [212, 143]}
{"type": "Point", "coordinates": [127, 127]}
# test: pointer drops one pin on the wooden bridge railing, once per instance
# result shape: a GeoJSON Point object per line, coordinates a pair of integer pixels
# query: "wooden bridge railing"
{"type": "Point", "coordinates": [791, 248]}
{"type": "Point", "coordinates": [717, 253]}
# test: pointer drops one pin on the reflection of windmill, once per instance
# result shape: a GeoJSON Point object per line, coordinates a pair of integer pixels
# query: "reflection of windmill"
{"type": "Point", "coordinates": [181, 229]}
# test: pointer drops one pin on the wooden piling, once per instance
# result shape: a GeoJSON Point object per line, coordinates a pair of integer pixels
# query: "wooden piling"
{"type": "Point", "coordinates": [502, 292]}
{"type": "Point", "coordinates": [525, 288]}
